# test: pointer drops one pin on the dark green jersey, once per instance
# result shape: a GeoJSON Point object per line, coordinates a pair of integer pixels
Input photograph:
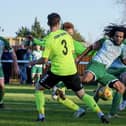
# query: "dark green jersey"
{"type": "Point", "coordinates": [78, 48]}
{"type": "Point", "coordinates": [40, 42]}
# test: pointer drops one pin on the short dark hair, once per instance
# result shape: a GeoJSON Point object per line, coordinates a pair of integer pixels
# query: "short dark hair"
{"type": "Point", "coordinates": [68, 25]}
{"type": "Point", "coordinates": [53, 19]}
{"type": "Point", "coordinates": [112, 28]}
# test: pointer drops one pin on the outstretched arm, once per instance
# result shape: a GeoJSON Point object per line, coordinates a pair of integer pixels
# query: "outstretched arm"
{"type": "Point", "coordinates": [96, 46]}
{"type": "Point", "coordinates": [79, 58]}
{"type": "Point", "coordinates": [36, 41]}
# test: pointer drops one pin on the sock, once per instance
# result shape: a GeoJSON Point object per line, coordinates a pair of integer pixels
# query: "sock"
{"type": "Point", "coordinates": [115, 103]}
{"type": "Point", "coordinates": [1, 95]}
{"type": "Point", "coordinates": [40, 101]}
{"type": "Point", "coordinates": [89, 101]}
{"type": "Point", "coordinates": [37, 79]}
{"type": "Point", "coordinates": [69, 104]}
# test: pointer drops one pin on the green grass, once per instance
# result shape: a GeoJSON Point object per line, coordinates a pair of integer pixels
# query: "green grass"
{"type": "Point", "coordinates": [20, 110]}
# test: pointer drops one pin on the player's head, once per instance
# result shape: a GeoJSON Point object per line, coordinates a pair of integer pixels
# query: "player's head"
{"type": "Point", "coordinates": [53, 19]}
{"type": "Point", "coordinates": [69, 27]}
{"type": "Point", "coordinates": [116, 32]}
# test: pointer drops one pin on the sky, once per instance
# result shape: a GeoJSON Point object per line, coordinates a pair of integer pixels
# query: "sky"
{"type": "Point", "coordinates": [89, 16]}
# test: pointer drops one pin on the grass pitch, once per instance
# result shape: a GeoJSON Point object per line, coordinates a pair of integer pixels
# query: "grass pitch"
{"type": "Point", "coordinates": [20, 110]}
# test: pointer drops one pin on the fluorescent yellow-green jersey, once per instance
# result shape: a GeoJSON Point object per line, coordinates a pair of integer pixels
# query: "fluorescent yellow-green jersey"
{"type": "Point", "coordinates": [58, 48]}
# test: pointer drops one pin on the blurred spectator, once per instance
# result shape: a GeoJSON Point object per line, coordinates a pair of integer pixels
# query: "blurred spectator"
{"type": "Point", "coordinates": [20, 56]}
{"type": "Point", "coordinates": [36, 69]}
{"type": "Point", "coordinates": [6, 65]}
{"type": "Point", "coordinates": [28, 56]}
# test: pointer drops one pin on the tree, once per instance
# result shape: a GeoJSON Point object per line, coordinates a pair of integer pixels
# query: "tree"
{"type": "Point", "coordinates": [22, 32]}
{"type": "Point", "coordinates": [36, 30]}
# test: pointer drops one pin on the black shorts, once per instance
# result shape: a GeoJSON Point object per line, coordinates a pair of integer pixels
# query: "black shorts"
{"type": "Point", "coordinates": [73, 82]}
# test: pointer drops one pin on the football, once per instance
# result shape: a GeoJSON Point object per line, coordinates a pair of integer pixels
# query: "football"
{"type": "Point", "coordinates": [105, 93]}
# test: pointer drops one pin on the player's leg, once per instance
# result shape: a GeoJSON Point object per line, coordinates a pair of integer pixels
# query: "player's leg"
{"type": "Point", "coordinates": [59, 95]}
{"type": "Point", "coordinates": [96, 93]}
{"type": "Point", "coordinates": [39, 94]}
{"type": "Point", "coordinates": [46, 82]}
{"type": "Point", "coordinates": [38, 73]}
{"type": "Point", "coordinates": [40, 104]}
{"type": "Point", "coordinates": [33, 74]}
{"type": "Point", "coordinates": [115, 96]}
{"type": "Point", "coordinates": [105, 94]}
{"type": "Point", "coordinates": [75, 84]}
{"type": "Point", "coordinates": [90, 102]}
{"type": "Point", "coordinates": [115, 83]}
{"type": "Point", "coordinates": [115, 103]}
{"type": "Point", "coordinates": [119, 87]}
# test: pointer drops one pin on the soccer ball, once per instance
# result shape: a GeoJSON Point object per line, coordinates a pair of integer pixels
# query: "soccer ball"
{"type": "Point", "coordinates": [105, 93]}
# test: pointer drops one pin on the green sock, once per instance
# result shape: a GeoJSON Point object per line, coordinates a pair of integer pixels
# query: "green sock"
{"type": "Point", "coordinates": [115, 103]}
{"type": "Point", "coordinates": [1, 95]}
{"type": "Point", "coordinates": [69, 104]}
{"type": "Point", "coordinates": [89, 101]}
{"type": "Point", "coordinates": [40, 101]}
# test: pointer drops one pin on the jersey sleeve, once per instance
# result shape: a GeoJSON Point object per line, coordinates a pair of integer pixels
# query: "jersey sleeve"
{"type": "Point", "coordinates": [47, 50]}
{"type": "Point", "coordinates": [39, 42]}
{"type": "Point", "coordinates": [102, 40]}
{"type": "Point", "coordinates": [79, 48]}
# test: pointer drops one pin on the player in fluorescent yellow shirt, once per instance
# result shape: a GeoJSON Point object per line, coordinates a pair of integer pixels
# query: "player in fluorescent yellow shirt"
{"type": "Point", "coordinates": [60, 87]}
{"type": "Point", "coordinates": [79, 48]}
{"type": "Point", "coordinates": [59, 49]}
